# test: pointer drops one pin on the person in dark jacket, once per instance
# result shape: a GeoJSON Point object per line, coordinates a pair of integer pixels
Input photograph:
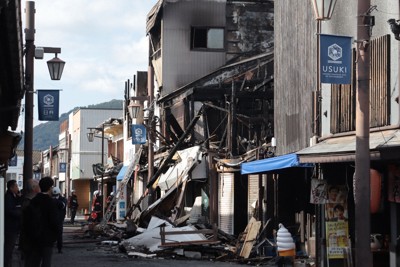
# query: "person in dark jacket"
{"type": "Point", "coordinates": [31, 190]}
{"type": "Point", "coordinates": [61, 204]}
{"type": "Point", "coordinates": [41, 236]}
{"type": "Point", "coordinates": [73, 205]}
{"type": "Point", "coordinates": [97, 207]}
{"type": "Point", "coordinates": [12, 220]}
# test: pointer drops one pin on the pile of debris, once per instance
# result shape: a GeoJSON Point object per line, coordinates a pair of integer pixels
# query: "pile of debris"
{"type": "Point", "coordinates": [198, 241]}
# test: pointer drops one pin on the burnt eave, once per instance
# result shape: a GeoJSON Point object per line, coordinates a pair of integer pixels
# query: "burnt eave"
{"type": "Point", "coordinates": [11, 64]}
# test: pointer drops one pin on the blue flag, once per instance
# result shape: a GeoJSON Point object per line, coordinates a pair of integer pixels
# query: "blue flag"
{"type": "Point", "coordinates": [335, 59]}
{"type": "Point", "coordinates": [48, 105]}
{"type": "Point", "coordinates": [138, 134]}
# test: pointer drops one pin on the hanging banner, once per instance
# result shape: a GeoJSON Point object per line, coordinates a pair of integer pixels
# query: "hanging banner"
{"type": "Point", "coordinates": [318, 191]}
{"type": "Point", "coordinates": [138, 134]}
{"type": "Point", "coordinates": [335, 59]}
{"type": "Point", "coordinates": [337, 240]}
{"type": "Point", "coordinates": [48, 105]}
{"type": "Point", "coordinates": [63, 167]}
{"type": "Point", "coordinates": [336, 218]}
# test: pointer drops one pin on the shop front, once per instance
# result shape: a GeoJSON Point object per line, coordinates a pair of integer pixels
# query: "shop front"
{"type": "Point", "coordinates": [285, 185]}
{"type": "Point", "coordinates": [333, 194]}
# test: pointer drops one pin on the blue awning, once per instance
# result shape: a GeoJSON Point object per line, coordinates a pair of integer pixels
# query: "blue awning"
{"type": "Point", "coordinates": [121, 173]}
{"type": "Point", "coordinates": [270, 164]}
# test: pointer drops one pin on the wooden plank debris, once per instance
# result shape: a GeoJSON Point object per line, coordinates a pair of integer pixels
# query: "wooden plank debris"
{"type": "Point", "coordinates": [213, 240]}
{"type": "Point", "coordinates": [252, 230]}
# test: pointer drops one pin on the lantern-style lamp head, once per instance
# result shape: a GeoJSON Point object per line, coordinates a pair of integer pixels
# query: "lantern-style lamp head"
{"type": "Point", "coordinates": [56, 67]}
{"type": "Point", "coordinates": [323, 9]}
{"type": "Point", "coordinates": [90, 136]}
{"type": "Point", "coordinates": [134, 109]}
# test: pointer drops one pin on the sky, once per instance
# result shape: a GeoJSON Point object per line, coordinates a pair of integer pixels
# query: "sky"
{"type": "Point", "coordinates": [103, 43]}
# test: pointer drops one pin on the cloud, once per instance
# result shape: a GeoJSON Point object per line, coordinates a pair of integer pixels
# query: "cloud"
{"type": "Point", "coordinates": [103, 43]}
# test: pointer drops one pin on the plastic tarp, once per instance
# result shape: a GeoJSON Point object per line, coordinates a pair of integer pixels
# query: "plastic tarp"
{"type": "Point", "coordinates": [121, 173]}
{"type": "Point", "coordinates": [270, 164]}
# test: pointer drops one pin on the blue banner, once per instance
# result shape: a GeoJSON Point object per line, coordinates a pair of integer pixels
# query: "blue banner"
{"type": "Point", "coordinates": [335, 59]}
{"type": "Point", "coordinates": [48, 104]}
{"type": "Point", "coordinates": [138, 134]}
{"type": "Point", "coordinates": [63, 167]}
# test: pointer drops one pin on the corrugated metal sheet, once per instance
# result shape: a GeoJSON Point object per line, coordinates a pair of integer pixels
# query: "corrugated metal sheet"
{"type": "Point", "coordinates": [225, 202]}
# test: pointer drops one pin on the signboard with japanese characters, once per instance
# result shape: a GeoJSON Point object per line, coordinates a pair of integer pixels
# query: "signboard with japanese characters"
{"type": "Point", "coordinates": [335, 59]}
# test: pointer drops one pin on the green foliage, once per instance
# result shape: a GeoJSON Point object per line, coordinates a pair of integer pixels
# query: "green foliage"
{"type": "Point", "coordinates": [46, 134]}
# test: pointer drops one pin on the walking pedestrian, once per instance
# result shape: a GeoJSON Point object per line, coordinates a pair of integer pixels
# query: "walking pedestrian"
{"type": "Point", "coordinates": [61, 204]}
{"type": "Point", "coordinates": [12, 220]}
{"type": "Point", "coordinates": [40, 226]}
{"type": "Point", "coordinates": [73, 205]}
{"type": "Point", "coordinates": [31, 190]}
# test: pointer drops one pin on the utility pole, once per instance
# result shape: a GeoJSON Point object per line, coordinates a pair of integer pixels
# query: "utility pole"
{"type": "Point", "coordinates": [29, 89]}
{"type": "Point", "coordinates": [363, 256]}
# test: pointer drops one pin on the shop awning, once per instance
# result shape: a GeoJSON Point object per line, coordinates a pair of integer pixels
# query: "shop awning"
{"type": "Point", "coordinates": [271, 164]}
{"type": "Point", "coordinates": [121, 173]}
{"type": "Point", "coordinates": [342, 149]}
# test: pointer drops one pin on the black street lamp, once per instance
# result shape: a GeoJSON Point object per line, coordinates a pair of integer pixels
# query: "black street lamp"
{"type": "Point", "coordinates": [134, 109]}
{"type": "Point", "coordinates": [56, 67]}
{"type": "Point", "coordinates": [323, 9]}
{"type": "Point", "coordinates": [90, 136]}
{"type": "Point", "coordinates": [55, 71]}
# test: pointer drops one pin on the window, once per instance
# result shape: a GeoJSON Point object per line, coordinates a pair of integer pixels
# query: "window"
{"type": "Point", "coordinates": [207, 38]}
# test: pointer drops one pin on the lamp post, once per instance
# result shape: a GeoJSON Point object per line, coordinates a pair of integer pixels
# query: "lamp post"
{"type": "Point", "coordinates": [91, 135]}
{"type": "Point", "coordinates": [55, 69]}
{"type": "Point", "coordinates": [134, 111]}
{"type": "Point", "coordinates": [323, 10]}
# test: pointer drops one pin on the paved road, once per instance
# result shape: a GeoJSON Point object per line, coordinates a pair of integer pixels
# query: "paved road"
{"type": "Point", "coordinates": [84, 252]}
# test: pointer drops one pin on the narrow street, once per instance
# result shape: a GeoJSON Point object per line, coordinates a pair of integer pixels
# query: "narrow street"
{"type": "Point", "coordinates": [80, 251]}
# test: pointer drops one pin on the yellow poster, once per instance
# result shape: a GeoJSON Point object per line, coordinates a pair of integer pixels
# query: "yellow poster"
{"type": "Point", "coordinates": [337, 233]}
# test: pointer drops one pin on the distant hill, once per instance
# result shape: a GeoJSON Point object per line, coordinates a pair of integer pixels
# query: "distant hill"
{"type": "Point", "coordinates": [46, 134]}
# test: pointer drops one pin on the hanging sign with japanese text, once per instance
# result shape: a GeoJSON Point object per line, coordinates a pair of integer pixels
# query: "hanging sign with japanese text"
{"type": "Point", "coordinates": [48, 104]}
{"type": "Point", "coordinates": [335, 59]}
{"type": "Point", "coordinates": [138, 134]}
